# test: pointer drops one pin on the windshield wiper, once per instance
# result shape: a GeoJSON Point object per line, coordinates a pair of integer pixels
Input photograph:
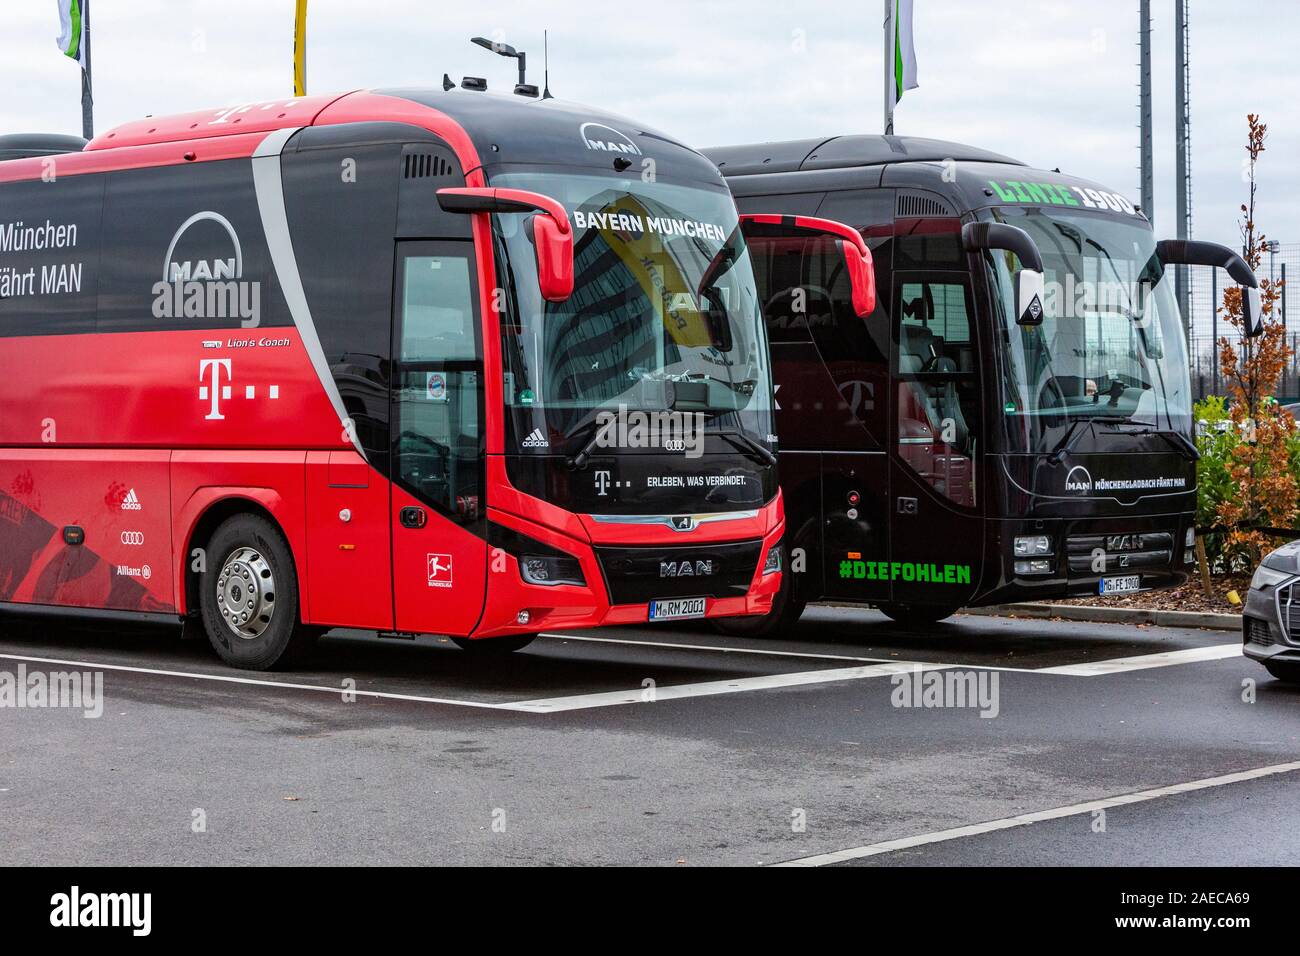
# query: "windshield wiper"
{"type": "Point", "coordinates": [1068, 441]}
{"type": "Point", "coordinates": [580, 459]}
{"type": "Point", "coordinates": [740, 438]}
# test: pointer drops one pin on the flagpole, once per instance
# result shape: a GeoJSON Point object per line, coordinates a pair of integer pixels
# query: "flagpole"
{"type": "Point", "coordinates": [300, 49]}
{"type": "Point", "coordinates": [87, 97]}
{"type": "Point", "coordinates": [889, 69]}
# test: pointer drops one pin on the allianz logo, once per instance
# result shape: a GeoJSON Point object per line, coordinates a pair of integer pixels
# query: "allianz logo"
{"type": "Point", "coordinates": [688, 568]}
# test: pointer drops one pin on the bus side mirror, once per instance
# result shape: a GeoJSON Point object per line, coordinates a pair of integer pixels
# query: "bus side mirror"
{"type": "Point", "coordinates": [1030, 285]}
{"type": "Point", "coordinates": [1197, 252]}
{"type": "Point", "coordinates": [857, 257]}
{"type": "Point", "coordinates": [551, 232]}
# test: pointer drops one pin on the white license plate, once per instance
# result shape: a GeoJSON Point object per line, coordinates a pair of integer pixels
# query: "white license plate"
{"type": "Point", "coordinates": [676, 609]}
{"type": "Point", "coordinates": [1125, 585]}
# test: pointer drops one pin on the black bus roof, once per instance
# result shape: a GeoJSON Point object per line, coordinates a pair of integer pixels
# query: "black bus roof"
{"type": "Point", "coordinates": [841, 152]}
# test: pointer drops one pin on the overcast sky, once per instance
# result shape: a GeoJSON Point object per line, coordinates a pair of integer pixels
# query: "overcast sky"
{"type": "Point", "coordinates": [1052, 82]}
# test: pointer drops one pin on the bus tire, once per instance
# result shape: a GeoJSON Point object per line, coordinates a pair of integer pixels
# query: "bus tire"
{"type": "Point", "coordinates": [1288, 671]}
{"type": "Point", "coordinates": [916, 615]}
{"type": "Point", "coordinates": [786, 611]}
{"type": "Point", "coordinates": [248, 596]}
{"type": "Point", "coordinates": [494, 645]}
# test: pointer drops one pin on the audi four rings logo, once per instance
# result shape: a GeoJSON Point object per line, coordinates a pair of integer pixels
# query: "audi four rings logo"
{"type": "Point", "coordinates": [133, 538]}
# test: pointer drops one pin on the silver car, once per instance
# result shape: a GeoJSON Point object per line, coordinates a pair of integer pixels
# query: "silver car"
{"type": "Point", "coordinates": [1270, 626]}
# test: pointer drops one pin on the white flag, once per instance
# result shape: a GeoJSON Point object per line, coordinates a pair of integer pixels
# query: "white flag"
{"type": "Point", "coordinates": [898, 26]}
{"type": "Point", "coordinates": [71, 39]}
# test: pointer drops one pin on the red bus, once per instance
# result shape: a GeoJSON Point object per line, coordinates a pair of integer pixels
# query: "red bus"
{"type": "Point", "coordinates": [406, 361]}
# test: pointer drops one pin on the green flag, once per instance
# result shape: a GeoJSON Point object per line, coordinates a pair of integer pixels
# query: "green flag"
{"type": "Point", "coordinates": [71, 39]}
{"type": "Point", "coordinates": [903, 58]}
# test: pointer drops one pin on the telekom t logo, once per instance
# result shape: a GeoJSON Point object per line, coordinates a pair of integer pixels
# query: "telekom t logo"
{"type": "Point", "coordinates": [216, 391]}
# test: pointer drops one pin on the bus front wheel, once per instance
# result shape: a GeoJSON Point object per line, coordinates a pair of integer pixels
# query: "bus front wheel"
{"type": "Point", "coordinates": [248, 596]}
{"type": "Point", "coordinates": [915, 615]}
{"type": "Point", "coordinates": [494, 645]}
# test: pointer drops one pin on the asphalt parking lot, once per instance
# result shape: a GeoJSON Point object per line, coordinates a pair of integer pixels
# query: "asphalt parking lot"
{"type": "Point", "coordinates": [848, 741]}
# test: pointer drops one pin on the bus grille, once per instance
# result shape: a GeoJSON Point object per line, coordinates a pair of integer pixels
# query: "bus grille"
{"type": "Point", "coordinates": [638, 575]}
{"type": "Point", "coordinates": [1138, 551]}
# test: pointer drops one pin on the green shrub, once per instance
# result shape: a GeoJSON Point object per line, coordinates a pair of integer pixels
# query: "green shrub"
{"type": "Point", "coordinates": [1216, 437]}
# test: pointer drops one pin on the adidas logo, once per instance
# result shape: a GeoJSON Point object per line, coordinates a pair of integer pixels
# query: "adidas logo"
{"type": "Point", "coordinates": [536, 440]}
{"type": "Point", "coordinates": [131, 502]}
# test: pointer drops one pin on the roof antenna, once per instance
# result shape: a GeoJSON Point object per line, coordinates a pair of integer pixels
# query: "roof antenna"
{"type": "Point", "coordinates": [546, 68]}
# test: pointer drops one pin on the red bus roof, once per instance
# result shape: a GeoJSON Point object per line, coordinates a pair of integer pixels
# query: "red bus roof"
{"type": "Point", "coordinates": [228, 121]}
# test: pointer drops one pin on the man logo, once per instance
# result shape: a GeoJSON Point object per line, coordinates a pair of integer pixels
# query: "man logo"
{"type": "Point", "coordinates": [207, 286]}
{"type": "Point", "coordinates": [606, 139]}
{"type": "Point", "coordinates": [685, 569]}
{"type": "Point", "coordinates": [1078, 480]}
{"type": "Point", "coordinates": [683, 522]}
{"type": "Point", "coordinates": [216, 269]}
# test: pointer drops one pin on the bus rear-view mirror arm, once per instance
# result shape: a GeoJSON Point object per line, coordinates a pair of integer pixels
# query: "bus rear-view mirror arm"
{"type": "Point", "coordinates": [1197, 252]}
{"type": "Point", "coordinates": [1030, 289]}
{"type": "Point", "coordinates": [857, 257]}
{"type": "Point", "coordinates": [551, 231]}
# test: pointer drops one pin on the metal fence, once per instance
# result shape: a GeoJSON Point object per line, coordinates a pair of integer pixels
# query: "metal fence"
{"type": "Point", "coordinates": [1203, 352]}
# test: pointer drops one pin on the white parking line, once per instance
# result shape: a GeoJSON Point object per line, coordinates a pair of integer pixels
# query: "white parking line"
{"type": "Point", "coordinates": [1191, 655]}
{"type": "Point", "coordinates": [1115, 665]}
{"type": "Point", "coordinates": [548, 705]}
{"type": "Point", "coordinates": [873, 667]}
{"type": "Point", "coordinates": [230, 679]}
{"type": "Point", "coordinates": [737, 685]}
{"type": "Point", "coordinates": [957, 833]}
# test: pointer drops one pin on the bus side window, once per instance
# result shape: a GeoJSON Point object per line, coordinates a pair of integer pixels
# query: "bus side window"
{"type": "Point", "coordinates": [778, 275]}
{"type": "Point", "coordinates": [853, 348]}
{"type": "Point", "coordinates": [938, 400]}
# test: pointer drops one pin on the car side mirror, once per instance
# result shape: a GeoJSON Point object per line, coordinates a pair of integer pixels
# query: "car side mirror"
{"type": "Point", "coordinates": [1198, 252]}
{"type": "Point", "coordinates": [1029, 280]}
{"type": "Point", "coordinates": [550, 229]}
{"type": "Point", "coordinates": [857, 257]}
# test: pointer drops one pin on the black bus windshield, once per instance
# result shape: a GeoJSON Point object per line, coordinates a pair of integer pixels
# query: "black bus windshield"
{"type": "Point", "coordinates": [1111, 347]}
{"type": "Point", "coordinates": [664, 316]}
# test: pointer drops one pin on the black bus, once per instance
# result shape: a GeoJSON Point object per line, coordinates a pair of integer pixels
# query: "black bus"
{"type": "Point", "coordinates": [1012, 421]}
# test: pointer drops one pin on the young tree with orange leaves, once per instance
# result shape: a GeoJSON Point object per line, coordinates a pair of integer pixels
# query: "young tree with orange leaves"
{"type": "Point", "coordinates": [1267, 488]}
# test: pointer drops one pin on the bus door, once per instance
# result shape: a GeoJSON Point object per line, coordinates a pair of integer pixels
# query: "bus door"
{"type": "Point", "coordinates": [848, 418]}
{"type": "Point", "coordinates": [937, 535]}
{"type": "Point", "coordinates": [437, 434]}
